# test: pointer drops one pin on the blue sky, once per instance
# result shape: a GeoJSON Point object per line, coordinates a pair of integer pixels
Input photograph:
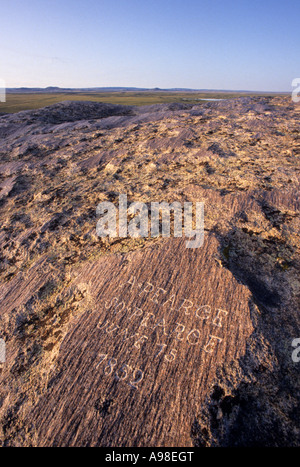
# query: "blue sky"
{"type": "Point", "coordinates": [215, 44]}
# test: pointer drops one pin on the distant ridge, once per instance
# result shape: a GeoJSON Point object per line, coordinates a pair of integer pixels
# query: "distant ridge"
{"type": "Point", "coordinates": [56, 89]}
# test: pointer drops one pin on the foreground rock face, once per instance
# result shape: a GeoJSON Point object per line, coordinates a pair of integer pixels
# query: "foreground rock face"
{"type": "Point", "coordinates": [143, 342]}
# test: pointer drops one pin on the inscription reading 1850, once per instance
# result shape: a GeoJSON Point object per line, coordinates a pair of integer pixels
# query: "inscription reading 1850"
{"type": "Point", "coordinates": [135, 326]}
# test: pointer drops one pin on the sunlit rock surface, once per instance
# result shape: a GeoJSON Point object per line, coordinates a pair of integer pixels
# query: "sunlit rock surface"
{"type": "Point", "coordinates": [142, 341]}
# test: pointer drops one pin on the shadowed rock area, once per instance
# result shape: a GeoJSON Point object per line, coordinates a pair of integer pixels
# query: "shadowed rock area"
{"type": "Point", "coordinates": [142, 341]}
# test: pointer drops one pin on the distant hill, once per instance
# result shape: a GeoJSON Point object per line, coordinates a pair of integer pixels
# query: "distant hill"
{"type": "Point", "coordinates": [56, 89]}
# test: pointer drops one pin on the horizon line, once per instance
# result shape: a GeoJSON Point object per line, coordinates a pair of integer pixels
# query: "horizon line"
{"type": "Point", "coordinates": [136, 88]}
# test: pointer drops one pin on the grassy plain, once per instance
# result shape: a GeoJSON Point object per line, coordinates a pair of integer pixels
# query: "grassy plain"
{"type": "Point", "coordinates": [15, 102]}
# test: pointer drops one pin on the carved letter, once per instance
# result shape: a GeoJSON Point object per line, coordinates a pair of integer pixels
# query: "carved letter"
{"type": "Point", "coordinates": [162, 325]}
{"type": "Point", "coordinates": [213, 340]}
{"type": "Point", "coordinates": [113, 327]}
{"type": "Point", "coordinates": [138, 312]}
{"type": "Point", "coordinates": [193, 340]}
{"type": "Point", "coordinates": [103, 325]}
{"type": "Point", "coordinates": [145, 320]}
{"type": "Point", "coordinates": [185, 307]}
{"type": "Point", "coordinates": [171, 300]}
{"type": "Point", "coordinates": [140, 341]}
{"type": "Point", "coordinates": [218, 319]}
{"type": "Point", "coordinates": [154, 297]}
{"type": "Point", "coordinates": [148, 288]}
{"type": "Point", "coordinates": [179, 330]}
{"type": "Point", "coordinates": [203, 312]}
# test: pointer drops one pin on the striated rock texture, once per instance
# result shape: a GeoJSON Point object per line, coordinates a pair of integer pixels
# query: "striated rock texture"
{"type": "Point", "coordinates": [141, 341]}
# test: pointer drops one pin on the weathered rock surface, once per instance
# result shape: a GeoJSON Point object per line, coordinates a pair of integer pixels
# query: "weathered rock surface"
{"type": "Point", "coordinates": [143, 342]}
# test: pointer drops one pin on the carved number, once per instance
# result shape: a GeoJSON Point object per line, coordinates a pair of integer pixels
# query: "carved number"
{"type": "Point", "coordinates": [123, 372]}
{"type": "Point", "coordinates": [168, 357]}
{"type": "Point", "coordinates": [110, 366]}
{"type": "Point", "coordinates": [171, 356]}
{"type": "Point", "coordinates": [103, 356]}
{"type": "Point", "coordinates": [138, 375]}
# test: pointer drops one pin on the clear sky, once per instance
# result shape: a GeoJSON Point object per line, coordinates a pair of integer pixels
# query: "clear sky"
{"type": "Point", "coordinates": [214, 44]}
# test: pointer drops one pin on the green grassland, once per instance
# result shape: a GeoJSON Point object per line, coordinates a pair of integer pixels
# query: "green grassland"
{"type": "Point", "coordinates": [15, 102]}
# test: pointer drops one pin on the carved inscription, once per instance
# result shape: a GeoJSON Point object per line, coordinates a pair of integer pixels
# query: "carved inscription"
{"type": "Point", "coordinates": [136, 327]}
{"type": "Point", "coordinates": [122, 372]}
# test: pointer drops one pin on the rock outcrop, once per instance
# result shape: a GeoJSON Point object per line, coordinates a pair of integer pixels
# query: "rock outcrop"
{"type": "Point", "coordinates": [142, 341]}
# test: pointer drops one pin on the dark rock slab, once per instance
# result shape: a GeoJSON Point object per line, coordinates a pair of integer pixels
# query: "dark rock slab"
{"type": "Point", "coordinates": [135, 368]}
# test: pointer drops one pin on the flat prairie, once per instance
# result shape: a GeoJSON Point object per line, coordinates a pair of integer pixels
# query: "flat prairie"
{"type": "Point", "coordinates": [16, 102]}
